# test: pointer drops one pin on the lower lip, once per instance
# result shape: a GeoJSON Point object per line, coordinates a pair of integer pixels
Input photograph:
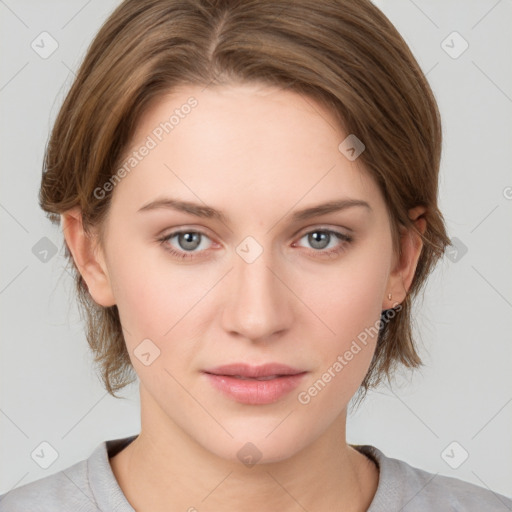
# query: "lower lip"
{"type": "Point", "coordinates": [255, 392]}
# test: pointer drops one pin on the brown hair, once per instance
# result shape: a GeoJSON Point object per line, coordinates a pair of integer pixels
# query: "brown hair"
{"type": "Point", "coordinates": [343, 53]}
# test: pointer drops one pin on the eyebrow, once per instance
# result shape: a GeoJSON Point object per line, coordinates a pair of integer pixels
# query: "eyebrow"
{"type": "Point", "coordinates": [209, 212]}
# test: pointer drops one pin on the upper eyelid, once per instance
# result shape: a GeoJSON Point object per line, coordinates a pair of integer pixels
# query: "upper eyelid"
{"type": "Point", "coordinates": [319, 227]}
{"type": "Point", "coordinates": [302, 230]}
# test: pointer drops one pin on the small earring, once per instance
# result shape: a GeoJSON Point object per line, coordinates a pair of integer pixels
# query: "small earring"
{"type": "Point", "coordinates": [389, 296]}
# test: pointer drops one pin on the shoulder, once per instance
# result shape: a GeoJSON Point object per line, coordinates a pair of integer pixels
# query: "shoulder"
{"type": "Point", "coordinates": [87, 486]}
{"type": "Point", "coordinates": [407, 488]}
{"type": "Point", "coordinates": [68, 488]}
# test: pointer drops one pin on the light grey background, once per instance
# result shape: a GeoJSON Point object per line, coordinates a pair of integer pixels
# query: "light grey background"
{"type": "Point", "coordinates": [49, 391]}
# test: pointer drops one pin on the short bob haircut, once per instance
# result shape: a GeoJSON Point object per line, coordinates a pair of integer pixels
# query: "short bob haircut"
{"type": "Point", "coordinates": [343, 53]}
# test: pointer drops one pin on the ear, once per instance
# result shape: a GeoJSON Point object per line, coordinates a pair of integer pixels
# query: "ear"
{"type": "Point", "coordinates": [88, 257]}
{"type": "Point", "coordinates": [403, 272]}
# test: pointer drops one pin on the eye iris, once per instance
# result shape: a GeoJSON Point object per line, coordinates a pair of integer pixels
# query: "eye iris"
{"type": "Point", "coordinates": [317, 238]}
{"type": "Point", "coordinates": [192, 240]}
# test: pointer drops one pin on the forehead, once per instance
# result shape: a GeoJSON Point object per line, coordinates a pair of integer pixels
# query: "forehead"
{"type": "Point", "coordinates": [240, 145]}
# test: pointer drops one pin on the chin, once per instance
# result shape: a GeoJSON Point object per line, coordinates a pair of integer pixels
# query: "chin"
{"type": "Point", "coordinates": [251, 446]}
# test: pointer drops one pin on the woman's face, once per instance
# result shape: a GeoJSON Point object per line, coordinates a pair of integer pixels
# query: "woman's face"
{"type": "Point", "coordinates": [253, 279]}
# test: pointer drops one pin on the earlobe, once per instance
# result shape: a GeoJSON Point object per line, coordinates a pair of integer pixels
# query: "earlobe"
{"type": "Point", "coordinates": [411, 243]}
{"type": "Point", "coordinates": [88, 258]}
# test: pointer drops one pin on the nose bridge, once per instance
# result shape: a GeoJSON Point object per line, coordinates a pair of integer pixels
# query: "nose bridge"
{"type": "Point", "coordinates": [257, 306]}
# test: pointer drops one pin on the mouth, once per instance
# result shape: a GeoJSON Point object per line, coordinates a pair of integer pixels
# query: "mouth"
{"type": "Point", "coordinates": [266, 371]}
{"type": "Point", "coordinates": [267, 377]}
{"type": "Point", "coordinates": [255, 385]}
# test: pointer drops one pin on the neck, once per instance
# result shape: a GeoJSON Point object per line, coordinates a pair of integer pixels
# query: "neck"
{"type": "Point", "coordinates": [165, 469]}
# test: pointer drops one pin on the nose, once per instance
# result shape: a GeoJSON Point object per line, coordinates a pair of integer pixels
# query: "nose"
{"type": "Point", "coordinates": [259, 305]}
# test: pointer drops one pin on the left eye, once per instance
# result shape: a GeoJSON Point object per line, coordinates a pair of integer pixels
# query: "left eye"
{"type": "Point", "coordinates": [187, 240]}
{"type": "Point", "coordinates": [319, 237]}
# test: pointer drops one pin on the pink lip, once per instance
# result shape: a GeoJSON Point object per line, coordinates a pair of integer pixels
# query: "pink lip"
{"type": "Point", "coordinates": [251, 391]}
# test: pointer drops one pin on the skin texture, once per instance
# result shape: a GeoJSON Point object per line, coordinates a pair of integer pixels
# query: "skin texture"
{"type": "Point", "coordinates": [258, 154]}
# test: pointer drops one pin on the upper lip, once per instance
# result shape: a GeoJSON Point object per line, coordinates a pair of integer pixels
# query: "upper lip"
{"type": "Point", "coordinates": [245, 370]}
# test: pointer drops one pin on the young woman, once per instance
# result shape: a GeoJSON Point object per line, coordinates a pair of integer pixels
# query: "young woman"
{"type": "Point", "coordinates": [248, 195]}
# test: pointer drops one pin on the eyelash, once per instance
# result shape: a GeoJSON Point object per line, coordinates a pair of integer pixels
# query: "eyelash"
{"type": "Point", "coordinates": [346, 239]}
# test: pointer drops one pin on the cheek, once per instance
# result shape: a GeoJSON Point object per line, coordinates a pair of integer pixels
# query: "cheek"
{"type": "Point", "coordinates": [345, 357]}
{"type": "Point", "coordinates": [347, 307]}
{"type": "Point", "coordinates": [159, 302]}
{"type": "Point", "coordinates": [347, 298]}
{"type": "Point", "coordinates": [142, 293]}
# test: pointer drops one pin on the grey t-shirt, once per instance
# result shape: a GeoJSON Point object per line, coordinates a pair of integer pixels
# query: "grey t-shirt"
{"type": "Point", "coordinates": [90, 486]}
